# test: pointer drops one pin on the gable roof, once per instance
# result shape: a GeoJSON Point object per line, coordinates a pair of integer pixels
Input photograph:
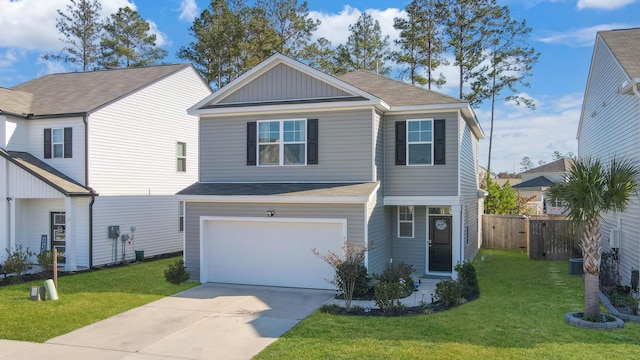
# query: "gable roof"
{"type": "Point", "coordinates": [558, 166]}
{"type": "Point", "coordinates": [46, 173]}
{"type": "Point", "coordinates": [395, 92]}
{"type": "Point", "coordinates": [82, 92]}
{"type": "Point", "coordinates": [625, 46]}
{"type": "Point", "coordinates": [540, 181]}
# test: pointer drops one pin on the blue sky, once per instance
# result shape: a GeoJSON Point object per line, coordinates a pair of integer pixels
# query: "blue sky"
{"type": "Point", "coordinates": [563, 32]}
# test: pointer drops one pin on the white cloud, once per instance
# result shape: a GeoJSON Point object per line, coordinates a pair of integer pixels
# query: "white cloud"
{"type": "Point", "coordinates": [579, 37]}
{"type": "Point", "coordinates": [603, 4]}
{"type": "Point", "coordinates": [188, 10]}
{"type": "Point", "coordinates": [161, 38]}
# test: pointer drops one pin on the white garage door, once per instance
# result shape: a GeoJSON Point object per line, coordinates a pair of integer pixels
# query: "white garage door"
{"type": "Point", "coordinates": [270, 251]}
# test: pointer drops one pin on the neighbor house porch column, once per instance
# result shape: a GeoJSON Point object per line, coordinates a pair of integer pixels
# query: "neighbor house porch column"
{"type": "Point", "coordinates": [70, 234]}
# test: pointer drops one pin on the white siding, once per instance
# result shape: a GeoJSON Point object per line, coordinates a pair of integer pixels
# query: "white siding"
{"type": "Point", "coordinates": [21, 184]}
{"type": "Point", "coordinates": [132, 143]}
{"type": "Point", "coordinates": [610, 127]}
{"type": "Point", "coordinates": [33, 221]}
{"type": "Point", "coordinates": [155, 219]}
{"type": "Point", "coordinates": [4, 210]}
{"type": "Point", "coordinates": [72, 167]}
{"type": "Point", "coordinates": [16, 134]}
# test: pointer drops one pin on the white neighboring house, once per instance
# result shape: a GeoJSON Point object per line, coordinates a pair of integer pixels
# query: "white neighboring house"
{"type": "Point", "coordinates": [536, 182]}
{"type": "Point", "coordinates": [610, 127]}
{"type": "Point", "coordinates": [80, 152]}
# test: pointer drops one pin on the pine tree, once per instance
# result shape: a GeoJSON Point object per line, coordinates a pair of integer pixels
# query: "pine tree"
{"type": "Point", "coordinates": [366, 47]}
{"type": "Point", "coordinates": [421, 41]}
{"type": "Point", "coordinates": [291, 23]}
{"type": "Point", "coordinates": [81, 28]}
{"type": "Point", "coordinates": [127, 43]}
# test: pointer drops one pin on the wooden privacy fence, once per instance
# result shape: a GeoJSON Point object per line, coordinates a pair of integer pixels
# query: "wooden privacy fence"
{"type": "Point", "coordinates": [550, 238]}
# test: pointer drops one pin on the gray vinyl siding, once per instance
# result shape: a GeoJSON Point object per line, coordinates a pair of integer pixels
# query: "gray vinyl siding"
{"type": "Point", "coordinates": [283, 83]}
{"type": "Point", "coordinates": [354, 213]}
{"type": "Point", "coordinates": [379, 227]}
{"type": "Point", "coordinates": [411, 251]}
{"type": "Point", "coordinates": [469, 189]}
{"type": "Point", "coordinates": [379, 146]}
{"type": "Point", "coordinates": [344, 149]}
{"type": "Point", "coordinates": [435, 180]}
{"type": "Point", "coordinates": [610, 127]}
{"type": "Point", "coordinates": [470, 228]}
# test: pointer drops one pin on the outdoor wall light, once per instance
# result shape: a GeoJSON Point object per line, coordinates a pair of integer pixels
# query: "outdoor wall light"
{"type": "Point", "coordinates": [270, 213]}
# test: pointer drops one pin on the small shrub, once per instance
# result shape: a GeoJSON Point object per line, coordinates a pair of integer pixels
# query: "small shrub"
{"type": "Point", "coordinates": [330, 309]}
{"type": "Point", "coordinates": [387, 295]}
{"type": "Point", "coordinates": [395, 272]}
{"type": "Point", "coordinates": [448, 292]}
{"type": "Point", "coordinates": [468, 280]}
{"type": "Point", "coordinates": [17, 262]}
{"type": "Point", "coordinates": [361, 285]}
{"type": "Point", "coordinates": [176, 273]}
{"type": "Point", "coordinates": [45, 260]}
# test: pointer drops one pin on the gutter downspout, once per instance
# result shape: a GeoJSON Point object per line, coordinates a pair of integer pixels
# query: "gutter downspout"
{"type": "Point", "coordinates": [85, 120]}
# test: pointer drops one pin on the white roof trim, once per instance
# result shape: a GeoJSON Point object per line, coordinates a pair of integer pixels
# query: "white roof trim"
{"type": "Point", "coordinates": [286, 108]}
{"type": "Point", "coordinates": [422, 200]}
{"type": "Point", "coordinates": [265, 66]}
{"type": "Point", "coordinates": [276, 199]}
{"type": "Point", "coordinates": [467, 111]}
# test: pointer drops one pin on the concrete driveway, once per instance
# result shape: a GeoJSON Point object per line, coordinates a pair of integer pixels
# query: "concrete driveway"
{"type": "Point", "coordinates": [211, 321]}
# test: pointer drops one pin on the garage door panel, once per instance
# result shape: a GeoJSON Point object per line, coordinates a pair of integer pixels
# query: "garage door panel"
{"type": "Point", "coordinates": [275, 253]}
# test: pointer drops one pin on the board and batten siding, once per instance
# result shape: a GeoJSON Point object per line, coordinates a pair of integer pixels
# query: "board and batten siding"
{"type": "Point", "coordinates": [72, 167]}
{"type": "Point", "coordinates": [22, 184]}
{"type": "Point", "coordinates": [412, 251]}
{"type": "Point", "coordinates": [132, 142]}
{"type": "Point", "coordinates": [379, 234]}
{"type": "Point", "coordinates": [283, 82]}
{"type": "Point", "coordinates": [16, 134]}
{"type": "Point", "coordinates": [154, 217]}
{"type": "Point", "coordinates": [353, 213]}
{"type": "Point", "coordinates": [344, 149]}
{"type": "Point", "coordinates": [431, 180]}
{"type": "Point", "coordinates": [469, 189]}
{"type": "Point", "coordinates": [609, 127]}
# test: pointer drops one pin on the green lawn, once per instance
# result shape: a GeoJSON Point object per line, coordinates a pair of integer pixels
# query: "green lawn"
{"type": "Point", "coordinates": [519, 315]}
{"type": "Point", "coordinates": [84, 299]}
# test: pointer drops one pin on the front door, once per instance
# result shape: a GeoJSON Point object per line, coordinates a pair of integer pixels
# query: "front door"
{"type": "Point", "coordinates": [58, 234]}
{"type": "Point", "coordinates": [440, 243]}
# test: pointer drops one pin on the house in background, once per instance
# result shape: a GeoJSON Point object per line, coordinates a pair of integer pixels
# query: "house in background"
{"type": "Point", "coordinates": [83, 152]}
{"type": "Point", "coordinates": [610, 127]}
{"type": "Point", "coordinates": [534, 183]}
{"type": "Point", "coordinates": [292, 159]}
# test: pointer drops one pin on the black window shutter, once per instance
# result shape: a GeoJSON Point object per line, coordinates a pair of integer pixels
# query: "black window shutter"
{"type": "Point", "coordinates": [251, 142]}
{"type": "Point", "coordinates": [439, 142]}
{"type": "Point", "coordinates": [312, 141]}
{"type": "Point", "coordinates": [47, 143]}
{"type": "Point", "coordinates": [401, 142]}
{"type": "Point", "coordinates": [68, 140]}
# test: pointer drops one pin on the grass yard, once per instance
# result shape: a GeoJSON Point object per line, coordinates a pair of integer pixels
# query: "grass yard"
{"type": "Point", "coordinates": [84, 299]}
{"type": "Point", "coordinates": [519, 315]}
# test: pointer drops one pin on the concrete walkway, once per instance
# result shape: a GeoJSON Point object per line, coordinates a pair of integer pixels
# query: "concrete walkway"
{"type": "Point", "coordinates": [211, 321]}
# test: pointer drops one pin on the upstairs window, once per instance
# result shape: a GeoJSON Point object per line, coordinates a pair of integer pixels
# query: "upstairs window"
{"type": "Point", "coordinates": [181, 155]}
{"type": "Point", "coordinates": [420, 142]}
{"type": "Point", "coordinates": [58, 143]}
{"type": "Point", "coordinates": [405, 221]}
{"type": "Point", "coordinates": [282, 142]}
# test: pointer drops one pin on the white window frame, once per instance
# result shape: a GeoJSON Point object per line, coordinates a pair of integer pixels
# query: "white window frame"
{"type": "Point", "coordinates": [413, 220]}
{"type": "Point", "coordinates": [281, 143]}
{"type": "Point", "coordinates": [54, 143]}
{"type": "Point", "coordinates": [181, 156]}
{"type": "Point", "coordinates": [180, 216]}
{"type": "Point", "coordinates": [419, 142]}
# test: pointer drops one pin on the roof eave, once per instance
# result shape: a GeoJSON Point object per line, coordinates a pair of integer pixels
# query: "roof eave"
{"type": "Point", "coordinates": [466, 110]}
{"type": "Point", "coordinates": [262, 109]}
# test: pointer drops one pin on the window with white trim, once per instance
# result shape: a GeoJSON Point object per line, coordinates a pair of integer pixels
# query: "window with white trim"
{"type": "Point", "coordinates": [405, 221]}
{"type": "Point", "coordinates": [282, 142]}
{"type": "Point", "coordinates": [181, 156]}
{"type": "Point", "coordinates": [420, 142]}
{"type": "Point", "coordinates": [180, 215]}
{"type": "Point", "coordinates": [57, 142]}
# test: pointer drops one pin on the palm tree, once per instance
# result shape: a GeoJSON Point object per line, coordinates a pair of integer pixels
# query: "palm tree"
{"type": "Point", "coordinates": [591, 189]}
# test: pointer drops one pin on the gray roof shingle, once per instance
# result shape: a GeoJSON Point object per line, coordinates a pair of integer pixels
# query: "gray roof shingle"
{"type": "Point", "coordinates": [15, 102]}
{"type": "Point", "coordinates": [281, 189]}
{"type": "Point", "coordinates": [540, 181]}
{"type": "Point", "coordinates": [558, 166]}
{"type": "Point", "coordinates": [82, 92]}
{"type": "Point", "coordinates": [395, 92]}
{"type": "Point", "coordinates": [625, 46]}
{"type": "Point", "coordinates": [46, 173]}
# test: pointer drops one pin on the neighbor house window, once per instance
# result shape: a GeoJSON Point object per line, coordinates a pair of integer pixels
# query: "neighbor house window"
{"type": "Point", "coordinates": [58, 143]}
{"type": "Point", "coordinates": [405, 221]}
{"type": "Point", "coordinates": [282, 142]}
{"type": "Point", "coordinates": [181, 154]}
{"type": "Point", "coordinates": [420, 142]}
{"type": "Point", "coordinates": [181, 215]}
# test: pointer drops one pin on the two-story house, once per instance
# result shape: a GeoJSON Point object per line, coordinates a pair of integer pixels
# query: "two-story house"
{"type": "Point", "coordinates": [83, 153]}
{"type": "Point", "coordinates": [610, 127]}
{"type": "Point", "coordinates": [292, 159]}
{"type": "Point", "coordinates": [535, 183]}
